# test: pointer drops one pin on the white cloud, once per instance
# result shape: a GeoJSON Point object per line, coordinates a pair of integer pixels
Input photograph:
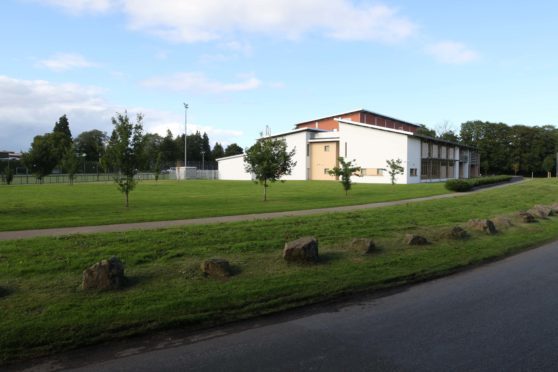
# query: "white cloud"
{"type": "Point", "coordinates": [452, 52]}
{"type": "Point", "coordinates": [80, 6]}
{"type": "Point", "coordinates": [205, 20]}
{"type": "Point", "coordinates": [31, 107]}
{"type": "Point", "coordinates": [199, 83]}
{"type": "Point", "coordinates": [66, 61]}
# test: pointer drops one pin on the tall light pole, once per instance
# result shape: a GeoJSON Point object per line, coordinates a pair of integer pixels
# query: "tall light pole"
{"type": "Point", "coordinates": [185, 137]}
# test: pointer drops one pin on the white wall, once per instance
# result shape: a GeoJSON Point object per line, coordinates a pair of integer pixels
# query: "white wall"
{"type": "Point", "coordinates": [371, 148]}
{"type": "Point", "coordinates": [232, 168]}
{"type": "Point", "coordinates": [413, 159]}
{"type": "Point", "coordinates": [298, 142]}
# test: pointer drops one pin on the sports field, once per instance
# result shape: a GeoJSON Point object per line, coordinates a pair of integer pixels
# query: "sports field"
{"type": "Point", "coordinates": [62, 205]}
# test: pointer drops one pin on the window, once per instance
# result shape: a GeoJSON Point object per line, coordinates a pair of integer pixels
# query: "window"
{"type": "Point", "coordinates": [413, 172]}
{"type": "Point", "coordinates": [372, 172]}
{"type": "Point", "coordinates": [326, 148]}
{"type": "Point", "coordinates": [326, 171]}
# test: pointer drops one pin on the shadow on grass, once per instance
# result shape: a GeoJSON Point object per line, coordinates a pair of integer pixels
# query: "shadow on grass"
{"type": "Point", "coordinates": [5, 292]}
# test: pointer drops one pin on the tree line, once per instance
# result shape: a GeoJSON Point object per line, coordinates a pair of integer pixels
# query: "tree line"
{"type": "Point", "coordinates": [59, 150]}
{"type": "Point", "coordinates": [505, 149]}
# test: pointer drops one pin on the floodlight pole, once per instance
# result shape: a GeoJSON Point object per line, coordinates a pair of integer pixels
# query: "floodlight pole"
{"type": "Point", "coordinates": [185, 137]}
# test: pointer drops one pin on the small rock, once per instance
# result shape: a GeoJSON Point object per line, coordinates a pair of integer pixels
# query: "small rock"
{"type": "Point", "coordinates": [541, 211]}
{"type": "Point", "coordinates": [107, 274]}
{"type": "Point", "coordinates": [364, 245]}
{"type": "Point", "coordinates": [527, 217]}
{"type": "Point", "coordinates": [486, 226]}
{"type": "Point", "coordinates": [458, 233]}
{"type": "Point", "coordinates": [554, 208]}
{"type": "Point", "coordinates": [304, 249]}
{"type": "Point", "coordinates": [502, 223]}
{"type": "Point", "coordinates": [412, 239]}
{"type": "Point", "coordinates": [216, 267]}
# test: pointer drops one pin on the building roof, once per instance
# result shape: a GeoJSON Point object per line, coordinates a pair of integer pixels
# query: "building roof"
{"type": "Point", "coordinates": [230, 157]}
{"type": "Point", "coordinates": [359, 110]}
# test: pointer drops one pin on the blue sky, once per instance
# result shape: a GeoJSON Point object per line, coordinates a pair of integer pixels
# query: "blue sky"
{"type": "Point", "coordinates": [245, 64]}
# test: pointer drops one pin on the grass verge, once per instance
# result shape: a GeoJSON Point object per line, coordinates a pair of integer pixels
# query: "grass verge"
{"type": "Point", "coordinates": [48, 206]}
{"type": "Point", "coordinates": [44, 311]}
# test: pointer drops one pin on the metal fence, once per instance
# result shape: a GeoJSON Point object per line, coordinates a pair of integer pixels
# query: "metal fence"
{"type": "Point", "coordinates": [107, 177]}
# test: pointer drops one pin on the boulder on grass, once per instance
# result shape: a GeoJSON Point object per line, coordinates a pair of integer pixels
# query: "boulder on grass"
{"type": "Point", "coordinates": [486, 226]}
{"type": "Point", "coordinates": [104, 275]}
{"type": "Point", "coordinates": [458, 233]}
{"type": "Point", "coordinates": [502, 223]}
{"type": "Point", "coordinates": [304, 249]}
{"type": "Point", "coordinates": [541, 211]}
{"type": "Point", "coordinates": [527, 217]}
{"type": "Point", "coordinates": [412, 239]}
{"type": "Point", "coordinates": [216, 267]}
{"type": "Point", "coordinates": [554, 208]}
{"type": "Point", "coordinates": [363, 245]}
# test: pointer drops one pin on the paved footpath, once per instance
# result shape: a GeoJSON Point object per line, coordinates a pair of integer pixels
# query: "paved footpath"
{"type": "Point", "coordinates": [24, 234]}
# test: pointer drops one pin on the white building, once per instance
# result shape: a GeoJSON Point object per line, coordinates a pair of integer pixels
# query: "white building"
{"type": "Point", "coordinates": [370, 139]}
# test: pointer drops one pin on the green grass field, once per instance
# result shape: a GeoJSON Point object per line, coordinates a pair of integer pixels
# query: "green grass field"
{"type": "Point", "coordinates": [52, 205]}
{"type": "Point", "coordinates": [44, 311]}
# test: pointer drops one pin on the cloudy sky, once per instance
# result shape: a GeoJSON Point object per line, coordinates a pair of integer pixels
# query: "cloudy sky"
{"type": "Point", "coordinates": [245, 64]}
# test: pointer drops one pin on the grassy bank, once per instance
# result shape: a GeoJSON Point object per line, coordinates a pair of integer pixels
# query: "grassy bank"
{"type": "Point", "coordinates": [45, 311]}
{"type": "Point", "coordinates": [44, 206]}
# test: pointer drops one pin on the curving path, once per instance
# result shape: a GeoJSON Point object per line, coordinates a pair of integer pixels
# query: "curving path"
{"type": "Point", "coordinates": [24, 234]}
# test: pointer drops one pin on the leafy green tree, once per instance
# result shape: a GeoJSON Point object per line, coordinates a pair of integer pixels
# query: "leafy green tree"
{"type": "Point", "coordinates": [91, 143]}
{"type": "Point", "coordinates": [169, 149]}
{"type": "Point", "coordinates": [124, 151]}
{"type": "Point", "coordinates": [394, 168]}
{"type": "Point", "coordinates": [61, 138]}
{"type": "Point", "coordinates": [42, 156]}
{"type": "Point", "coordinates": [8, 175]}
{"type": "Point", "coordinates": [423, 130]}
{"type": "Point", "coordinates": [549, 164]}
{"type": "Point", "coordinates": [217, 151]}
{"type": "Point", "coordinates": [233, 149]}
{"type": "Point", "coordinates": [345, 170]}
{"type": "Point", "coordinates": [70, 163]}
{"type": "Point", "coordinates": [269, 160]}
{"type": "Point", "coordinates": [206, 147]}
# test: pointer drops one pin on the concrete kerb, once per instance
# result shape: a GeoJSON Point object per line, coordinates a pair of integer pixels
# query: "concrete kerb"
{"type": "Point", "coordinates": [26, 234]}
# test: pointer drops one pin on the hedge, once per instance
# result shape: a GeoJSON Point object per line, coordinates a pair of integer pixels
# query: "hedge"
{"type": "Point", "coordinates": [468, 184]}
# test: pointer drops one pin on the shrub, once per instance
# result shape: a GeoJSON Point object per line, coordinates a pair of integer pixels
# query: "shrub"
{"type": "Point", "coordinates": [467, 185]}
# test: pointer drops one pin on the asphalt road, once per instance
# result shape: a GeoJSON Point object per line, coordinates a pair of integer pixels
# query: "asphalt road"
{"type": "Point", "coordinates": [498, 317]}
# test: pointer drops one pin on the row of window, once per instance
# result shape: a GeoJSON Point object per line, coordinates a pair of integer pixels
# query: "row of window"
{"type": "Point", "coordinates": [433, 150]}
{"type": "Point", "coordinates": [368, 172]}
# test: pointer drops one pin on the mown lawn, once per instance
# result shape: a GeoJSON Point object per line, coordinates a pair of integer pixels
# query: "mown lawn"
{"type": "Point", "coordinates": [44, 311]}
{"type": "Point", "coordinates": [62, 205]}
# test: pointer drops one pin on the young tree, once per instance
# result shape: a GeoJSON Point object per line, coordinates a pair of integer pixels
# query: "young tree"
{"type": "Point", "coordinates": [70, 163]}
{"type": "Point", "coordinates": [394, 168]}
{"type": "Point", "coordinates": [124, 151]}
{"type": "Point", "coordinates": [8, 175]}
{"type": "Point", "coordinates": [345, 170]}
{"type": "Point", "coordinates": [269, 160]}
{"type": "Point", "coordinates": [549, 165]}
{"type": "Point", "coordinates": [157, 168]}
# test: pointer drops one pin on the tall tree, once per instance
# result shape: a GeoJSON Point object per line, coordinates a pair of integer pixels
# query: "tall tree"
{"type": "Point", "coordinates": [206, 147]}
{"type": "Point", "coordinates": [233, 149]}
{"type": "Point", "coordinates": [124, 151]}
{"type": "Point", "coordinates": [61, 138]}
{"type": "Point", "coordinates": [42, 157]}
{"type": "Point", "coordinates": [92, 143]}
{"type": "Point", "coordinates": [217, 151]}
{"type": "Point", "coordinates": [269, 160]}
{"type": "Point", "coordinates": [169, 149]}
{"type": "Point", "coordinates": [345, 170]}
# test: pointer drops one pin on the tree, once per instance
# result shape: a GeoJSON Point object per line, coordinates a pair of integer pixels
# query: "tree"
{"type": "Point", "coordinates": [549, 164]}
{"type": "Point", "coordinates": [233, 149]}
{"type": "Point", "coordinates": [217, 151]}
{"type": "Point", "coordinates": [423, 130]}
{"type": "Point", "coordinates": [70, 163]}
{"type": "Point", "coordinates": [345, 171]}
{"type": "Point", "coordinates": [92, 144]}
{"type": "Point", "coordinates": [157, 167]}
{"type": "Point", "coordinates": [124, 151]}
{"type": "Point", "coordinates": [8, 175]}
{"type": "Point", "coordinates": [61, 139]}
{"type": "Point", "coordinates": [42, 157]}
{"type": "Point", "coordinates": [269, 160]}
{"type": "Point", "coordinates": [394, 168]}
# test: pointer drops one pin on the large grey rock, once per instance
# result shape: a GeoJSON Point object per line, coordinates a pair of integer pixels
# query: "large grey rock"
{"type": "Point", "coordinates": [541, 211]}
{"type": "Point", "coordinates": [412, 239]}
{"type": "Point", "coordinates": [104, 275]}
{"type": "Point", "coordinates": [486, 226]}
{"type": "Point", "coordinates": [216, 267]}
{"type": "Point", "coordinates": [363, 245]}
{"type": "Point", "coordinates": [527, 217]}
{"type": "Point", "coordinates": [304, 249]}
{"type": "Point", "coordinates": [502, 223]}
